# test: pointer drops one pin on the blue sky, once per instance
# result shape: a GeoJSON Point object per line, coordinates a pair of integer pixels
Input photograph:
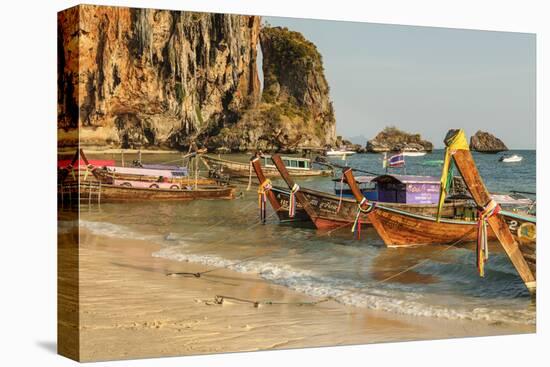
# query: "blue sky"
{"type": "Point", "coordinates": [426, 80]}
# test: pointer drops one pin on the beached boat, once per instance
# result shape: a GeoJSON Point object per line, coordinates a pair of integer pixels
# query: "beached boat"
{"type": "Point", "coordinates": [404, 189]}
{"type": "Point", "coordinates": [458, 151]}
{"type": "Point", "coordinates": [338, 153]}
{"type": "Point", "coordinates": [296, 166]}
{"type": "Point", "coordinates": [328, 211]}
{"type": "Point", "coordinates": [278, 197]}
{"type": "Point", "coordinates": [400, 228]}
{"type": "Point", "coordinates": [113, 193]}
{"type": "Point", "coordinates": [106, 188]}
{"type": "Point", "coordinates": [178, 177]}
{"type": "Point", "coordinates": [108, 171]}
{"type": "Point", "coordinates": [510, 158]}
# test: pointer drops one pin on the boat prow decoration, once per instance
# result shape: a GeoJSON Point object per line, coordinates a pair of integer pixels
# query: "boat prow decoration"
{"type": "Point", "coordinates": [457, 147]}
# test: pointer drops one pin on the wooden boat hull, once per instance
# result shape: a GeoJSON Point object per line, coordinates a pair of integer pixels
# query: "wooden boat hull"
{"type": "Point", "coordinates": [283, 198]}
{"type": "Point", "coordinates": [529, 252]}
{"type": "Point", "coordinates": [523, 227]}
{"type": "Point", "coordinates": [186, 181]}
{"type": "Point", "coordinates": [238, 169]}
{"type": "Point", "coordinates": [101, 186]}
{"type": "Point", "coordinates": [108, 193]}
{"type": "Point", "coordinates": [330, 212]}
{"type": "Point", "coordinates": [398, 228]}
{"type": "Point", "coordinates": [457, 148]}
{"type": "Point", "coordinates": [112, 193]}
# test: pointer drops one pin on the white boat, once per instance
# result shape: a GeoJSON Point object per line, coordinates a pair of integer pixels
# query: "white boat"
{"type": "Point", "coordinates": [414, 154]}
{"type": "Point", "coordinates": [340, 152]}
{"type": "Point", "coordinates": [510, 158]}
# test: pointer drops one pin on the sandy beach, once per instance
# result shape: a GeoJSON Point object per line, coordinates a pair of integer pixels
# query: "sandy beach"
{"type": "Point", "coordinates": [130, 308]}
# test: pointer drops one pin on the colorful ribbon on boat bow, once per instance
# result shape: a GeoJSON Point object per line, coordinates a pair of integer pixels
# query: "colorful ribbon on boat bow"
{"type": "Point", "coordinates": [457, 142]}
{"type": "Point", "coordinates": [262, 190]}
{"type": "Point", "coordinates": [446, 180]}
{"type": "Point", "coordinates": [482, 253]}
{"type": "Point", "coordinates": [356, 228]}
{"type": "Point", "coordinates": [89, 168]}
{"type": "Point", "coordinates": [70, 168]}
{"type": "Point", "coordinates": [292, 201]}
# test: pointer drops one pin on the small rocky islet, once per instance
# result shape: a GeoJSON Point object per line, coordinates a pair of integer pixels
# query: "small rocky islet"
{"type": "Point", "coordinates": [392, 139]}
{"type": "Point", "coordinates": [485, 142]}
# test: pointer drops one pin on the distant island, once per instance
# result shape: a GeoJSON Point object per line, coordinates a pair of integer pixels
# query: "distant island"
{"type": "Point", "coordinates": [485, 142]}
{"type": "Point", "coordinates": [393, 139]}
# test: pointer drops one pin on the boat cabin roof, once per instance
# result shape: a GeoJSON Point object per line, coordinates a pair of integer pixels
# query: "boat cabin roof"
{"type": "Point", "coordinates": [399, 179]}
{"type": "Point", "coordinates": [511, 199]}
{"type": "Point", "coordinates": [406, 179]}
{"type": "Point", "coordinates": [266, 157]}
{"type": "Point", "coordinates": [358, 179]}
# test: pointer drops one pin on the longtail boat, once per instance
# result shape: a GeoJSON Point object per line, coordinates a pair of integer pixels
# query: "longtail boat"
{"type": "Point", "coordinates": [457, 149]}
{"type": "Point", "coordinates": [328, 211]}
{"type": "Point", "coordinates": [112, 193]}
{"type": "Point", "coordinates": [400, 228]}
{"type": "Point", "coordinates": [130, 174]}
{"type": "Point", "coordinates": [296, 167]}
{"type": "Point", "coordinates": [113, 190]}
{"type": "Point", "coordinates": [278, 197]}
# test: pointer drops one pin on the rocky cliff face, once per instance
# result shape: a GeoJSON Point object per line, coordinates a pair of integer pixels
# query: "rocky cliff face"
{"type": "Point", "coordinates": [154, 77]}
{"type": "Point", "coordinates": [484, 142]}
{"type": "Point", "coordinates": [158, 78]}
{"type": "Point", "coordinates": [393, 139]}
{"type": "Point", "coordinates": [295, 109]}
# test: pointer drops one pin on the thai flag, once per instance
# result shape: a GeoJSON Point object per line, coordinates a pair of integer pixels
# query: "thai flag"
{"type": "Point", "coordinates": [397, 160]}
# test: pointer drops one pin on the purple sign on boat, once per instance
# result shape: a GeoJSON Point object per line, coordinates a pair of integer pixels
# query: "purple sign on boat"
{"type": "Point", "coordinates": [422, 193]}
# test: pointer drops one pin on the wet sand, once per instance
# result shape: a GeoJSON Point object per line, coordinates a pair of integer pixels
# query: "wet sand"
{"type": "Point", "coordinates": [129, 308]}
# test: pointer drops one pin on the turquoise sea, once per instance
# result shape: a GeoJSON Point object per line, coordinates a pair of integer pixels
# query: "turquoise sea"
{"type": "Point", "coordinates": [443, 282]}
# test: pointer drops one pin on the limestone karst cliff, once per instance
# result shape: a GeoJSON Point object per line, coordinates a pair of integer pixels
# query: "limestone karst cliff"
{"type": "Point", "coordinates": [164, 79]}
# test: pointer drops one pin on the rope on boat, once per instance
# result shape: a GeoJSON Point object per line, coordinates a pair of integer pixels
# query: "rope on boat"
{"type": "Point", "coordinates": [249, 176]}
{"type": "Point", "coordinates": [219, 299]}
{"type": "Point", "coordinates": [292, 201]}
{"type": "Point", "coordinates": [482, 251]}
{"type": "Point", "coordinates": [323, 162]}
{"type": "Point", "coordinates": [262, 198]}
{"type": "Point", "coordinates": [446, 180]}
{"type": "Point", "coordinates": [356, 228]}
